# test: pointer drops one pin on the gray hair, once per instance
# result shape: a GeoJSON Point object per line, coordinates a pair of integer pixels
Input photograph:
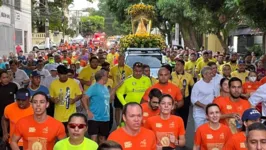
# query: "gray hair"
{"type": "Point", "coordinates": [204, 70]}
{"type": "Point", "coordinates": [99, 75]}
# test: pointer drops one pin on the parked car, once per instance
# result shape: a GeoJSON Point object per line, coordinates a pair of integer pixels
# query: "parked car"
{"type": "Point", "coordinates": [149, 56]}
{"type": "Point", "coordinates": [41, 46]}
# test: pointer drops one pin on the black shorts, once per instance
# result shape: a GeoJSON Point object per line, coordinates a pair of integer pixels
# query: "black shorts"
{"type": "Point", "coordinates": [98, 128]}
{"type": "Point", "coordinates": [117, 103]}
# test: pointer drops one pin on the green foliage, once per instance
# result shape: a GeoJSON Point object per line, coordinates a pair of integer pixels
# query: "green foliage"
{"type": "Point", "coordinates": [257, 49]}
{"type": "Point", "coordinates": [92, 24]}
{"type": "Point", "coordinates": [70, 32]}
{"type": "Point", "coordinates": [255, 11]}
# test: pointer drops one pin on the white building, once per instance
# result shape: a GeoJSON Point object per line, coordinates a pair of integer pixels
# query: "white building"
{"type": "Point", "coordinates": [15, 26]}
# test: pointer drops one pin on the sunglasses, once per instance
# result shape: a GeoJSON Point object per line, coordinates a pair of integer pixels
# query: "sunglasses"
{"type": "Point", "coordinates": [73, 125]}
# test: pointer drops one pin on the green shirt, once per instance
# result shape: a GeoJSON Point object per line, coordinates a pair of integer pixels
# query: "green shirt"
{"type": "Point", "coordinates": [87, 144]}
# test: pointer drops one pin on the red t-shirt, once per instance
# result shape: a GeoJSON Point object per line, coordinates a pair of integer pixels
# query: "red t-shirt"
{"type": "Point", "coordinates": [39, 135]}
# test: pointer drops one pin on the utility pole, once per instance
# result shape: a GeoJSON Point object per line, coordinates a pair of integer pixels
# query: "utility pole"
{"type": "Point", "coordinates": [47, 39]}
{"type": "Point", "coordinates": [12, 12]}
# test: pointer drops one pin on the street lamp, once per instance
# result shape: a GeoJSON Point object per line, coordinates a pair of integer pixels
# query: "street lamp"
{"type": "Point", "coordinates": [47, 41]}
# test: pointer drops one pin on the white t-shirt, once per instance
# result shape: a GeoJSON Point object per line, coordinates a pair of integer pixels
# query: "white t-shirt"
{"type": "Point", "coordinates": [259, 96]}
{"type": "Point", "coordinates": [204, 93]}
{"type": "Point", "coordinates": [20, 76]}
{"type": "Point", "coordinates": [48, 80]}
{"type": "Point", "coordinates": [216, 84]}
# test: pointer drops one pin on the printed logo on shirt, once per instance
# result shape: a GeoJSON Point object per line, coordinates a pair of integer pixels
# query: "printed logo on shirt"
{"type": "Point", "coordinates": [127, 144]}
{"type": "Point", "coordinates": [209, 136]}
{"type": "Point", "coordinates": [249, 86]}
{"type": "Point", "coordinates": [143, 143]}
{"type": "Point", "coordinates": [242, 145]}
{"type": "Point", "coordinates": [45, 130]}
{"type": "Point", "coordinates": [158, 125]}
{"type": "Point", "coordinates": [37, 143]}
{"type": "Point", "coordinates": [169, 90]}
{"type": "Point", "coordinates": [222, 136]}
{"type": "Point", "coordinates": [239, 108]}
{"type": "Point", "coordinates": [145, 114]}
{"type": "Point", "coordinates": [133, 83]}
{"type": "Point", "coordinates": [32, 129]}
{"type": "Point", "coordinates": [172, 125]}
{"type": "Point", "coordinates": [228, 107]}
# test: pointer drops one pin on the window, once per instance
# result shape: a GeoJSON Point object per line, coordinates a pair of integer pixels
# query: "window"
{"type": "Point", "coordinates": [6, 2]}
{"type": "Point", "coordinates": [18, 34]}
{"type": "Point", "coordinates": [18, 4]}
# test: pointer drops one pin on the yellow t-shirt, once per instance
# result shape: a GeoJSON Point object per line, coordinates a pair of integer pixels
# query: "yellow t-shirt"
{"type": "Point", "coordinates": [87, 144]}
{"type": "Point", "coordinates": [116, 73]}
{"type": "Point", "coordinates": [178, 81]}
{"type": "Point", "coordinates": [111, 57]}
{"type": "Point", "coordinates": [134, 89]}
{"type": "Point", "coordinates": [190, 67]}
{"type": "Point", "coordinates": [213, 60]}
{"type": "Point", "coordinates": [242, 76]}
{"type": "Point", "coordinates": [153, 80]}
{"type": "Point", "coordinates": [109, 83]}
{"type": "Point", "coordinates": [234, 67]}
{"type": "Point", "coordinates": [86, 74]}
{"type": "Point", "coordinates": [220, 67]}
{"type": "Point", "coordinates": [58, 90]}
{"type": "Point", "coordinates": [201, 65]}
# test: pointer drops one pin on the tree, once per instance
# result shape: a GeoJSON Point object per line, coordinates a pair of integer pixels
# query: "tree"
{"type": "Point", "coordinates": [92, 24]}
{"type": "Point", "coordinates": [183, 14]}
{"type": "Point", "coordinates": [221, 17]}
{"type": "Point", "coordinates": [255, 12]}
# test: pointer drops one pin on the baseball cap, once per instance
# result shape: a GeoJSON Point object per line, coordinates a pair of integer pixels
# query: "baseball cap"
{"type": "Point", "coordinates": [53, 68]}
{"type": "Point", "coordinates": [241, 61]}
{"type": "Point", "coordinates": [34, 74]}
{"type": "Point", "coordinates": [23, 94]}
{"type": "Point", "coordinates": [77, 62]}
{"type": "Point", "coordinates": [251, 114]}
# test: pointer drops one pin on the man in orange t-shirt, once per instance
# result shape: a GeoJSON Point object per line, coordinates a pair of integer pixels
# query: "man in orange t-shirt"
{"type": "Point", "coordinates": [237, 141]}
{"type": "Point", "coordinates": [132, 136]}
{"type": "Point", "coordinates": [151, 108]}
{"type": "Point", "coordinates": [166, 88]}
{"type": "Point", "coordinates": [15, 111]}
{"type": "Point", "coordinates": [232, 107]}
{"type": "Point", "coordinates": [38, 131]}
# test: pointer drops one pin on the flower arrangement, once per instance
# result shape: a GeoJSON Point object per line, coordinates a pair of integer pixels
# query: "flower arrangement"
{"type": "Point", "coordinates": [142, 41]}
{"type": "Point", "coordinates": [141, 9]}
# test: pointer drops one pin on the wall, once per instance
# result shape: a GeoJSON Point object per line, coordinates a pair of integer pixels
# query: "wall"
{"type": "Point", "coordinates": [211, 42]}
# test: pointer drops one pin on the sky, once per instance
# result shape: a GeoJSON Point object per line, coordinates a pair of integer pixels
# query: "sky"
{"type": "Point", "coordinates": [83, 4]}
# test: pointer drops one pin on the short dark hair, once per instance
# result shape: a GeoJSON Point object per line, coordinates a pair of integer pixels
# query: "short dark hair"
{"type": "Point", "coordinates": [93, 57]}
{"type": "Point", "coordinates": [124, 111]}
{"type": "Point", "coordinates": [81, 115]}
{"type": "Point", "coordinates": [233, 79]}
{"type": "Point", "coordinates": [256, 126]}
{"type": "Point", "coordinates": [223, 80]}
{"type": "Point", "coordinates": [155, 93]}
{"type": "Point", "coordinates": [105, 64]}
{"type": "Point", "coordinates": [61, 69]}
{"type": "Point", "coordinates": [13, 62]}
{"type": "Point", "coordinates": [181, 61]}
{"type": "Point", "coordinates": [164, 96]}
{"type": "Point", "coordinates": [108, 145]}
{"type": "Point", "coordinates": [168, 67]}
{"type": "Point", "coordinates": [144, 66]}
{"type": "Point", "coordinates": [2, 72]}
{"type": "Point", "coordinates": [40, 93]}
{"type": "Point", "coordinates": [211, 105]}
{"type": "Point", "coordinates": [137, 64]}
{"type": "Point", "coordinates": [211, 64]}
{"type": "Point", "coordinates": [70, 71]}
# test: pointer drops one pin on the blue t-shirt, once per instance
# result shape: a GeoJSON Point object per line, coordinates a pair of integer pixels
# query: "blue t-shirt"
{"type": "Point", "coordinates": [99, 102]}
{"type": "Point", "coordinates": [2, 65]}
{"type": "Point", "coordinates": [40, 89]}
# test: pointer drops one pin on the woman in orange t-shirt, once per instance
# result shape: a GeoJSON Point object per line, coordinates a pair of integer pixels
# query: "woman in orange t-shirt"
{"type": "Point", "coordinates": [213, 134]}
{"type": "Point", "coordinates": [250, 86]}
{"type": "Point", "coordinates": [169, 129]}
